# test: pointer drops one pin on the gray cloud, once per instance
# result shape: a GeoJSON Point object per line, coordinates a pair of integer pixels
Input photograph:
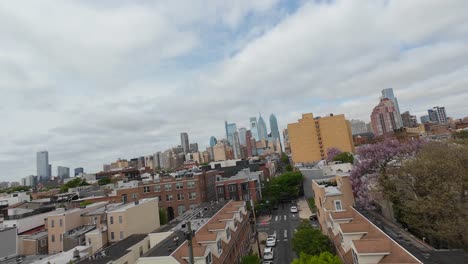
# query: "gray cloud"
{"type": "Point", "coordinates": [91, 82]}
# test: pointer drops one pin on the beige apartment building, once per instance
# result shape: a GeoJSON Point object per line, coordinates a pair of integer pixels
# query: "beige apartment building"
{"type": "Point", "coordinates": [139, 217]}
{"type": "Point", "coordinates": [64, 221]}
{"type": "Point", "coordinates": [332, 195]}
{"type": "Point", "coordinates": [310, 137]}
{"type": "Point", "coordinates": [219, 151]}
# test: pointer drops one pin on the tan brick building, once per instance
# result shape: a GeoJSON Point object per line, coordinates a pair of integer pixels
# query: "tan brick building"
{"type": "Point", "coordinates": [310, 137]}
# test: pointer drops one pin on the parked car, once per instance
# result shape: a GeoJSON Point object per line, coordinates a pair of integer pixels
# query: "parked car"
{"type": "Point", "coordinates": [293, 209]}
{"type": "Point", "coordinates": [267, 262]}
{"type": "Point", "coordinates": [271, 241]}
{"type": "Point", "coordinates": [313, 217]}
{"type": "Point", "coordinates": [268, 253]}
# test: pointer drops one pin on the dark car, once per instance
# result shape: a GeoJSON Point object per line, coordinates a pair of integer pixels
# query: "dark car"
{"type": "Point", "coordinates": [313, 217]}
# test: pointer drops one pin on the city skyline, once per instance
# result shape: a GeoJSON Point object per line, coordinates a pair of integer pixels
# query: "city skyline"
{"type": "Point", "coordinates": [210, 66]}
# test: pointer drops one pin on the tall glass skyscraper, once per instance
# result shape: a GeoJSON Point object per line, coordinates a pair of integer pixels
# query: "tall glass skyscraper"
{"type": "Point", "coordinates": [230, 130]}
{"type": "Point", "coordinates": [274, 127]}
{"type": "Point", "coordinates": [42, 165]}
{"type": "Point", "coordinates": [242, 132]}
{"type": "Point", "coordinates": [388, 93]}
{"type": "Point", "coordinates": [262, 129]}
{"type": "Point", "coordinates": [213, 141]}
{"type": "Point", "coordinates": [254, 127]}
{"type": "Point", "coordinates": [184, 142]}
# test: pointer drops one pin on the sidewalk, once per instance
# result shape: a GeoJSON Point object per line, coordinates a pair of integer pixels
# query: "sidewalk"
{"type": "Point", "coordinates": [304, 209]}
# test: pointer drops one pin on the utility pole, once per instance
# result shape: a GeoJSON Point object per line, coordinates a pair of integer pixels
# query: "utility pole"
{"type": "Point", "coordinates": [189, 241]}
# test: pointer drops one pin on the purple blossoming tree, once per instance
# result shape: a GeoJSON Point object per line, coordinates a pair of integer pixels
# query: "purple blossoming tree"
{"type": "Point", "coordinates": [332, 153]}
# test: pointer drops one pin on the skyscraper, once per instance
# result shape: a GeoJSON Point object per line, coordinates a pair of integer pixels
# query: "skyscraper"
{"type": "Point", "coordinates": [425, 119]}
{"type": "Point", "coordinates": [388, 93]}
{"type": "Point", "coordinates": [242, 133]}
{"type": "Point", "coordinates": [213, 141]}
{"type": "Point", "coordinates": [184, 142]}
{"type": "Point", "coordinates": [287, 146]}
{"type": "Point", "coordinates": [409, 120]}
{"type": "Point", "coordinates": [63, 172]}
{"type": "Point", "coordinates": [254, 127]}
{"type": "Point", "coordinates": [78, 171]}
{"type": "Point", "coordinates": [236, 147]}
{"type": "Point", "coordinates": [42, 165]}
{"type": "Point", "coordinates": [248, 142]}
{"type": "Point", "coordinates": [358, 126]}
{"type": "Point", "coordinates": [193, 147]}
{"type": "Point", "coordinates": [383, 117]}
{"type": "Point", "coordinates": [262, 129]}
{"type": "Point", "coordinates": [437, 114]}
{"type": "Point", "coordinates": [274, 127]}
{"type": "Point", "coordinates": [230, 130]}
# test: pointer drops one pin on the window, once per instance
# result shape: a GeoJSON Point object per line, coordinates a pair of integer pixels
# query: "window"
{"type": "Point", "coordinates": [111, 220]}
{"type": "Point", "coordinates": [179, 185]}
{"type": "Point", "coordinates": [52, 223]}
{"type": "Point", "coordinates": [181, 209]}
{"type": "Point", "coordinates": [208, 258]}
{"type": "Point", "coordinates": [124, 198]}
{"type": "Point", "coordinates": [180, 196]}
{"type": "Point", "coordinates": [43, 242]}
{"type": "Point", "coordinates": [355, 257]}
{"type": "Point", "coordinates": [61, 222]}
{"type": "Point", "coordinates": [121, 235]}
{"type": "Point", "coordinates": [218, 244]}
{"type": "Point", "coordinates": [112, 236]}
{"type": "Point", "coordinates": [134, 196]}
{"type": "Point", "coordinates": [89, 241]}
{"type": "Point", "coordinates": [338, 205]}
{"type": "Point", "coordinates": [61, 237]}
{"type": "Point", "coordinates": [168, 187]}
{"type": "Point", "coordinates": [146, 189]}
{"type": "Point", "coordinates": [341, 238]}
{"type": "Point", "coordinates": [120, 219]}
{"type": "Point", "coordinates": [192, 195]}
{"type": "Point", "coordinates": [228, 233]}
{"type": "Point", "coordinates": [232, 188]}
{"type": "Point", "coordinates": [169, 197]}
{"type": "Point", "coordinates": [221, 190]}
{"type": "Point", "coordinates": [157, 188]}
{"type": "Point", "coordinates": [52, 238]}
{"type": "Point", "coordinates": [190, 184]}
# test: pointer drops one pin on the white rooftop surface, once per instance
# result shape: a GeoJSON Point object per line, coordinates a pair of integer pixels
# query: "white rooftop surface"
{"type": "Point", "coordinates": [64, 257]}
{"type": "Point", "coordinates": [61, 212]}
{"type": "Point", "coordinates": [332, 190]}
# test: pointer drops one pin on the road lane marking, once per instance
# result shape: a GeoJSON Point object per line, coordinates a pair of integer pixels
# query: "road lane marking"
{"type": "Point", "coordinates": [276, 218]}
{"type": "Point", "coordinates": [285, 233]}
{"type": "Point", "coordinates": [285, 239]}
{"type": "Point", "coordinates": [285, 218]}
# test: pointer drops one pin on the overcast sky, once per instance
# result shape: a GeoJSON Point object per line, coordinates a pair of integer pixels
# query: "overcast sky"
{"type": "Point", "coordinates": [92, 81]}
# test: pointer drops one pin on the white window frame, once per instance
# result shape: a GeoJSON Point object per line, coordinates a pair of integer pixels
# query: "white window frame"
{"type": "Point", "coordinates": [157, 188]}
{"type": "Point", "coordinates": [336, 202]}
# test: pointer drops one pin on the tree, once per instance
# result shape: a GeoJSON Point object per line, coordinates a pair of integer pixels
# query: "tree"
{"type": "Point", "coordinates": [344, 157]}
{"type": "Point", "coordinates": [310, 240]}
{"type": "Point", "coordinates": [104, 181]}
{"type": "Point", "coordinates": [323, 258]}
{"type": "Point", "coordinates": [72, 184]}
{"type": "Point", "coordinates": [332, 153]}
{"type": "Point", "coordinates": [285, 158]}
{"type": "Point", "coordinates": [372, 164]}
{"type": "Point", "coordinates": [284, 186]}
{"type": "Point", "coordinates": [250, 259]}
{"type": "Point", "coordinates": [461, 135]}
{"type": "Point", "coordinates": [430, 194]}
{"type": "Point", "coordinates": [289, 167]}
{"type": "Point", "coordinates": [162, 216]}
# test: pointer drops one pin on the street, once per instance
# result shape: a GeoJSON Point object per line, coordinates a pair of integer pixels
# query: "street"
{"type": "Point", "coordinates": [284, 223]}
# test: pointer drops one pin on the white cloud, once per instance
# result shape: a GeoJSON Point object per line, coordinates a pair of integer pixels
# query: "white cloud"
{"type": "Point", "coordinates": [91, 83]}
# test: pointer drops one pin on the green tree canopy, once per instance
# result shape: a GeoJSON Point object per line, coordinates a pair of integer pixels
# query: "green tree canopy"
{"type": "Point", "coordinates": [323, 258]}
{"type": "Point", "coordinates": [104, 181]}
{"type": "Point", "coordinates": [286, 185]}
{"type": "Point", "coordinates": [310, 240]}
{"type": "Point", "coordinates": [285, 158]}
{"type": "Point", "coordinates": [72, 184]}
{"type": "Point", "coordinates": [344, 157]}
{"type": "Point", "coordinates": [250, 259]}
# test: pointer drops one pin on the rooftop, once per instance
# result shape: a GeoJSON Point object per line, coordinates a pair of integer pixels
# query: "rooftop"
{"type": "Point", "coordinates": [332, 191]}
{"type": "Point", "coordinates": [115, 251]}
{"type": "Point", "coordinates": [80, 230]}
{"type": "Point", "coordinates": [127, 206]}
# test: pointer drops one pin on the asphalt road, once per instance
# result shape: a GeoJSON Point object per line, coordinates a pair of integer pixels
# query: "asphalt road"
{"type": "Point", "coordinates": [284, 223]}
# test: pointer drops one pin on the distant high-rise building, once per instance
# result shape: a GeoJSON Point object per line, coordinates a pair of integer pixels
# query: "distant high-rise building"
{"type": "Point", "coordinates": [262, 129]}
{"type": "Point", "coordinates": [425, 119]}
{"type": "Point", "coordinates": [287, 146]}
{"type": "Point", "coordinates": [388, 93]}
{"type": "Point", "coordinates": [438, 115]}
{"type": "Point", "coordinates": [193, 147]}
{"type": "Point", "coordinates": [254, 127]}
{"type": "Point", "coordinates": [358, 126]}
{"type": "Point", "coordinates": [248, 143]}
{"type": "Point", "coordinates": [42, 165]}
{"type": "Point", "coordinates": [369, 128]}
{"type": "Point", "coordinates": [63, 172]}
{"type": "Point", "coordinates": [409, 120]}
{"type": "Point", "coordinates": [184, 141]}
{"type": "Point", "coordinates": [157, 160]}
{"type": "Point", "coordinates": [78, 171]}
{"type": "Point", "coordinates": [242, 134]}
{"type": "Point", "coordinates": [236, 147]}
{"type": "Point", "coordinates": [274, 127]}
{"type": "Point", "coordinates": [311, 137]}
{"type": "Point", "coordinates": [219, 151]}
{"type": "Point", "coordinates": [213, 141]}
{"type": "Point", "coordinates": [230, 130]}
{"type": "Point", "coordinates": [383, 117]}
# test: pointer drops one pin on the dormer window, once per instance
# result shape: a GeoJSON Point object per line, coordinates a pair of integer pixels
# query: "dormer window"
{"type": "Point", "coordinates": [355, 257]}
{"type": "Point", "coordinates": [338, 205]}
{"type": "Point", "coordinates": [228, 233]}
{"type": "Point", "coordinates": [208, 258]}
{"type": "Point", "coordinates": [220, 249]}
